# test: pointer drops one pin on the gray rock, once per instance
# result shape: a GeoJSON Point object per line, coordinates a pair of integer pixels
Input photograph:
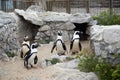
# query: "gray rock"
{"type": "Point", "coordinates": [70, 65]}
{"type": "Point", "coordinates": [105, 40]}
{"type": "Point", "coordinates": [55, 17]}
{"type": "Point", "coordinates": [45, 63]}
{"type": "Point", "coordinates": [61, 58]}
{"type": "Point", "coordinates": [30, 16]}
{"type": "Point", "coordinates": [45, 28]}
{"type": "Point", "coordinates": [73, 74]}
{"type": "Point", "coordinates": [8, 35]}
{"type": "Point", "coordinates": [41, 17]}
{"type": "Point", "coordinates": [68, 26]}
{"type": "Point", "coordinates": [80, 18]}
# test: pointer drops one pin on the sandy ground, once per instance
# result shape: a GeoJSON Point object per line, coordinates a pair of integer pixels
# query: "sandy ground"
{"type": "Point", "coordinates": [15, 69]}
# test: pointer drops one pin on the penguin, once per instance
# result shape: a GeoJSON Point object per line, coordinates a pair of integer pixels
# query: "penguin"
{"type": "Point", "coordinates": [59, 44]}
{"type": "Point", "coordinates": [31, 59]}
{"type": "Point", "coordinates": [75, 45]}
{"type": "Point", "coordinates": [25, 47]}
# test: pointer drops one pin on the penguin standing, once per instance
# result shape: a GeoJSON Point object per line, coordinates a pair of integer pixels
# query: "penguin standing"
{"type": "Point", "coordinates": [75, 45]}
{"type": "Point", "coordinates": [31, 59]}
{"type": "Point", "coordinates": [59, 44]}
{"type": "Point", "coordinates": [25, 47]}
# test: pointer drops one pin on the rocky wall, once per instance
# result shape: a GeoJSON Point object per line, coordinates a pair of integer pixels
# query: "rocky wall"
{"type": "Point", "coordinates": [8, 36]}
{"type": "Point", "coordinates": [105, 41]}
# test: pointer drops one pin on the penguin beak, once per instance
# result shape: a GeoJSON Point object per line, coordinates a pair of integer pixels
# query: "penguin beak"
{"type": "Point", "coordinates": [38, 45]}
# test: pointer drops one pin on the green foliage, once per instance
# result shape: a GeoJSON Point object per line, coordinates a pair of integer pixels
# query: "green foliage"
{"type": "Point", "coordinates": [69, 58]}
{"type": "Point", "coordinates": [44, 41]}
{"type": "Point", "coordinates": [103, 69]}
{"type": "Point", "coordinates": [116, 73]}
{"type": "Point", "coordinates": [54, 60]}
{"type": "Point", "coordinates": [105, 18]}
{"type": "Point", "coordinates": [10, 54]}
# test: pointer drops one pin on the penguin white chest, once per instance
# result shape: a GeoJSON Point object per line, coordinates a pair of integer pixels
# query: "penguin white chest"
{"type": "Point", "coordinates": [59, 47]}
{"type": "Point", "coordinates": [31, 59]}
{"type": "Point", "coordinates": [25, 49]}
{"type": "Point", "coordinates": [75, 45]}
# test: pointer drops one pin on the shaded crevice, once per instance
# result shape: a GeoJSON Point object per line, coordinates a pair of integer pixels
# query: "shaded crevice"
{"type": "Point", "coordinates": [82, 27]}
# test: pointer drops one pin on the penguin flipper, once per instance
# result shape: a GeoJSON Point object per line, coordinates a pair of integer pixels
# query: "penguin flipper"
{"type": "Point", "coordinates": [53, 47]}
{"type": "Point", "coordinates": [64, 47]}
{"type": "Point", "coordinates": [71, 44]}
{"type": "Point", "coordinates": [35, 60]}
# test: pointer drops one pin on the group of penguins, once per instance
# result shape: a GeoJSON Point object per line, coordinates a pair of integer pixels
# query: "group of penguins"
{"type": "Point", "coordinates": [29, 52]}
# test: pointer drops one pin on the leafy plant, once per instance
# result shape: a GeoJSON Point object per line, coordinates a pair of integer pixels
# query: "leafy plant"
{"type": "Point", "coordinates": [69, 58]}
{"type": "Point", "coordinates": [103, 69]}
{"type": "Point", "coordinates": [53, 61]}
{"type": "Point", "coordinates": [105, 18]}
{"type": "Point", "coordinates": [10, 54]}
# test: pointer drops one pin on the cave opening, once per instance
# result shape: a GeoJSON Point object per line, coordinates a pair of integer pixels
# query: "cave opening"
{"type": "Point", "coordinates": [82, 27]}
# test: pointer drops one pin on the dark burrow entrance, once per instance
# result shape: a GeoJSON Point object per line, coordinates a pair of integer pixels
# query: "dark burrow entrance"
{"type": "Point", "coordinates": [82, 27]}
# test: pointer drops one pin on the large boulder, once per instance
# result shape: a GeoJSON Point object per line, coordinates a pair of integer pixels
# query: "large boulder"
{"type": "Point", "coordinates": [58, 73]}
{"type": "Point", "coordinates": [81, 18]}
{"type": "Point", "coordinates": [35, 16]}
{"type": "Point", "coordinates": [9, 44]}
{"type": "Point", "coordinates": [105, 41]}
{"type": "Point", "coordinates": [30, 16]}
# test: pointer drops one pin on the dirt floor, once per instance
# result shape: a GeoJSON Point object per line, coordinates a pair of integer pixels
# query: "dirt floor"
{"type": "Point", "coordinates": [14, 69]}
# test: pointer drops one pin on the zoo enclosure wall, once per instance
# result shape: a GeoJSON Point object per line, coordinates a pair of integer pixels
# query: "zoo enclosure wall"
{"type": "Point", "coordinates": [70, 6]}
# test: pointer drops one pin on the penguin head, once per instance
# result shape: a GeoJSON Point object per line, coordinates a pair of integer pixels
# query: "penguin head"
{"type": "Point", "coordinates": [26, 38]}
{"type": "Point", "coordinates": [59, 36]}
{"type": "Point", "coordinates": [59, 33]}
{"type": "Point", "coordinates": [76, 34]}
{"type": "Point", "coordinates": [34, 45]}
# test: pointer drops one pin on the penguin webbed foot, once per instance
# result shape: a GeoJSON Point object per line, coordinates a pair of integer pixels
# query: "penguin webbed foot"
{"type": "Point", "coordinates": [26, 64]}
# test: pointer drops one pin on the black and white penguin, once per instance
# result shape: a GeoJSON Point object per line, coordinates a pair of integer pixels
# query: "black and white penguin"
{"type": "Point", "coordinates": [59, 44]}
{"type": "Point", "coordinates": [25, 47]}
{"type": "Point", "coordinates": [31, 59]}
{"type": "Point", "coordinates": [75, 45]}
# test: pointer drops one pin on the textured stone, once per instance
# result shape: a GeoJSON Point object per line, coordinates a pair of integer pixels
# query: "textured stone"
{"type": "Point", "coordinates": [72, 74]}
{"type": "Point", "coordinates": [45, 28]}
{"type": "Point", "coordinates": [41, 17]}
{"type": "Point", "coordinates": [105, 40]}
{"type": "Point", "coordinates": [30, 16]}
{"type": "Point", "coordinates": [8, 35]}
{"type": "Point", "coordinates": [80, 18]}
{"type": "Point", "coordinates": [68, 26]}
{"type": "Point", "coordinates": [71, 64]}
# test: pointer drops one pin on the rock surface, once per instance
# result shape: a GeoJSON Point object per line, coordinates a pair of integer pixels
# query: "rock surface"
{"type": "Point", "coordinates": [54, 17]}
{"type": "Point", "coordinates": [8, 35]}
{"type": "Point", "coordinates": [106, 41]}
{"type": "Point", "coordinates": [71, 74]}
